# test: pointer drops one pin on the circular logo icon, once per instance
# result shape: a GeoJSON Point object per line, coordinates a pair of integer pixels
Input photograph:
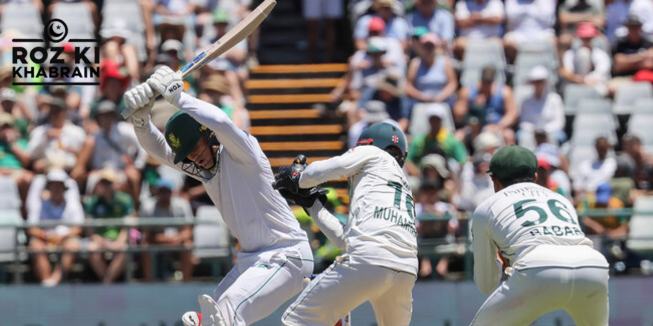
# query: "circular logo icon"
{"type": "Point", "coordinates": [55, 30]}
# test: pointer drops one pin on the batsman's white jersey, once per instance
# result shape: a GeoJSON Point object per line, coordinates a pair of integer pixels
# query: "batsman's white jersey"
{"type": "Point", "coordinates": [254, 212]}
{"type": "Point", "coordinates": [537, 230]}
{"type": "Point", "coordinates": [380, 263]}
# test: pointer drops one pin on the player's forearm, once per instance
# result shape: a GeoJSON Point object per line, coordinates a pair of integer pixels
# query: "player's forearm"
{"type": "Point", "coordinates": [334, 168]}
{"type": "Point", "coordinates": [235, 140]}
{"type": "Point", "coordinates": [151, 139]}
{"type": "Point", "coordinates": [328, 224]}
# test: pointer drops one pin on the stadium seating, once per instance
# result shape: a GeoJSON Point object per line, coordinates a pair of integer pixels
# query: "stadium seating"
{"type": "Point", "coordinates": [419, 122]}
{"type": "Point", "coordinates": [8, 240]}
{"type": "Point", "coordinates": [78, 18]}
{"type": "Point", "coordinates": [643, 105]}
{"type": "Point", "coordinates": [574, 93]}
{"type": "Point", "coordinates": [589, 126]}
{"type": "Point", "coordinates": [627, 94]}
{"type": "Point", "coordinates": [479, 55]}
{"type": "Point", "coordinates": [212, 240]}
{"type": "Point", "coordinates": [130, 13]}
{"type": "Point", "coordinates": [640, 233]}
{"type": "Point", "coordinates": [22, 17]}
{"type": "Point", "coordinates": [640, 124]}
{"type": "Point", "coordinates": [9, 196]}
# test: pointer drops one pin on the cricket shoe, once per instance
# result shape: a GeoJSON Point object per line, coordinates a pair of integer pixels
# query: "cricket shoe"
{"type": "Point", "coordinates": [211, 312]}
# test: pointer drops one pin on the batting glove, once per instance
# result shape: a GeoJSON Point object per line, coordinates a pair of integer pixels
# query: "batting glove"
{"type": "Point", "coordinates": [168, 83]}
{"type": "Point", "coordinates": [140, 99]}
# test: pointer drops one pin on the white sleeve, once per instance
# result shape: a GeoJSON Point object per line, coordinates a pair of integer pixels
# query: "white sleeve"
{"type": "Point", "coordinates": [74, 212]}
{"type": "Point", "coordinates": [37, 142]}
{"type": "Point", "coordinates": [568, 60]}
{"type": "Point", "coordinates": [337, 167]}
{"type": "Point", "coordinates": [155, 144]}
{"type": "Point", "coordinates": [328, 224]}
{"type": "Point", "coordinates": [238, 143]}
{"type": "Point", "coordinates": [495, 8]}
{"type": "Point", "coordinates": [558, 113]}
{"type": "Point", "coordinates": [33, 200]}
{"type": "Point", "coordinates": [602, 66]}
{"type": "Point", "coordinates": [487, 272]}
{"type": "Point", "coordinates": [461, 11]}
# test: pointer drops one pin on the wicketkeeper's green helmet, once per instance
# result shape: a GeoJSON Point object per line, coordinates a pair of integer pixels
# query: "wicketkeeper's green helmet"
{"type": "Point", "coordinates": [385, 136]}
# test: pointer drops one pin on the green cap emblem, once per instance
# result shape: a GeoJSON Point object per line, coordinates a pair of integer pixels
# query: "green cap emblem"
{"type": "Point", "coordinates": [174, 142]}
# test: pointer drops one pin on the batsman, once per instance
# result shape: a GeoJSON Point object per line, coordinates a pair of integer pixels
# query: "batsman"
{"type": "Point", "coordinates": [202, 142]}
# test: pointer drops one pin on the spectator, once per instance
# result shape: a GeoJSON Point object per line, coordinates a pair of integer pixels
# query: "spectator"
{"type": "Point", "coordinates": [19, 111]}
{"type": "Point", "coordinates": [436, 219]}
{"type": "Point", "coordinates": [396, 27]}
{"type": "Point", "coordinates": [117, 49]}
{"type": "Point", "coordinates": [65, 94]}
{"type": "Point", "coordinates": [617, 12]}
{"type": "Point", "coordinates": [435, 169]}
{"type": "Point", "coordinates": [108, 203]}
{"type": "Point", "coordinates": [632, 146]}
{"type": "Point", "coordinates": [174, 28]}
{"type": "Point", "coordinates": [437, 137]}
{"type": "Point", "coordinates": [543, 176]}
{"type": "Point", "coordinates": [54, 205]}
{"type": "Point", "coordinates": [437, 20]}
{"type": "Point", "coordinates": [613, 226]}
{"type": "Point", "coordinates": [165, 204]}
{"type": "Point", "coordinates": [572, 13]}
{"type": "Point", "coordinates": [92, 9]}
{"type": "Point", "coordinates": [591, 173]}
{"type": "Point", "coordinates": [477, 20]}
{"type": "Point", "coordinates": [622, 183]}
{"type": "Point", "coordinates": [528, 21]}
{"type": "Point", "coordinates": [557, 162]}
{"type": "Point", "coordinates": [431, 77]}
{"type": "Point", "coordinates": [235, 57]}
{"type": "Point", "coordinates": [632, 53]}
{"type": "Point", "coordinates": [391, 94]}
{"type": "Point", "coordinates": [14, 157]}
{"type": "Point", "coordinates": [215, 90]}
{"type": "Point", "coordinates": [314, 11]}
{"type": "Point", "coordinates": [114, 81]}
{"type": "Point", "coordinates": [114, 146]}
{"type": "Point", "coordinates": [371, 68]}
{"type": "Point", "coordinates": [587, 65]}
{"type": "Point", "coordinates": [58, 139]}
{"type": "Point", "coordinates": [544, 109]}
{"type": "Point", "coordinates": [492, 103]}
{"type": "Point", "coordinates": [375, 111]}
{"type": "Point", "coordinates": [475, 183]}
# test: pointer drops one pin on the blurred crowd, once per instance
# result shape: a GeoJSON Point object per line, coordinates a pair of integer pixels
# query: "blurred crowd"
{"type": "Point", "coordinates": [65, 152]}
{"type": "Point", "coordinates": [570, 80]}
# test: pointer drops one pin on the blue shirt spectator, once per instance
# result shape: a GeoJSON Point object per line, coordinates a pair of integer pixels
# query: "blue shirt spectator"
{"type": "Point", "coordinates": [438, 21]}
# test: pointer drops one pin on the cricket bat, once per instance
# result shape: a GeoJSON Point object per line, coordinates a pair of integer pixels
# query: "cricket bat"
{"type": "Point", "coordinates": [229, 40]}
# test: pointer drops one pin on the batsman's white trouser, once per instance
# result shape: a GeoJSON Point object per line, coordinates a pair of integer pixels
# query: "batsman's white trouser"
{"type": "Point", "coordinates": [345, 286]}
{"type": "Point", "coordinates": [262, 281]}
{"type": "Point", "coordinates": [531, 293]}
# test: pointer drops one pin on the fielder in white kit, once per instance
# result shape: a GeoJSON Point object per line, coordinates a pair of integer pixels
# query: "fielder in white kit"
{"type": "Point", "coordinates": [202, 142]}
{"type": "Point", "coordinates": [380, 263]}
{"type": "Point", "coordinates": [552, 265]}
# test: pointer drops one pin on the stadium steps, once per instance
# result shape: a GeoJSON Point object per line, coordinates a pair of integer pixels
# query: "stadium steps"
{"type": "Point", "coordinates": [285, 102]}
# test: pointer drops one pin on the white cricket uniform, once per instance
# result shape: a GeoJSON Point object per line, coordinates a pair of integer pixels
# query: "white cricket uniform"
{"type": "Point", "coordinates": [554, 265]}
{"type": "Point", "coordinates": [275, 253]}
{"type": "Point", "coordinates": [380, 263]}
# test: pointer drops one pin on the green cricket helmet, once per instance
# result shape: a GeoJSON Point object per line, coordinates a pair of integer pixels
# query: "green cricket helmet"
{"type": "Point", "coordinates": [183, 133]}
{"type": "Point", "coordinates": [387, 137]}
